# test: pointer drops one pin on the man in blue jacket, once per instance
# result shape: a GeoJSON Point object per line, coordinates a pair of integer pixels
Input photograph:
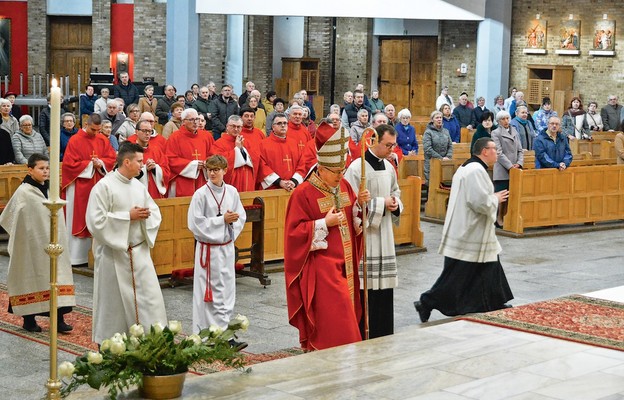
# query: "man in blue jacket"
{"type": "Point", "coordinates": [551, 147]}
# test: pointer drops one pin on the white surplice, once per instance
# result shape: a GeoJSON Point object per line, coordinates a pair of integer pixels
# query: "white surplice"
{"type": "Point", "coordinates": [118, 295]}
{"type": "Point", "coordinates": [210, 227]}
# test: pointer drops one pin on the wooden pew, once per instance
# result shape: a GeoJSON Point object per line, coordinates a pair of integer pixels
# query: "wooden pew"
{"type": "Point", "coordinates": [461, 150]}
{"type": "Point", "coordinates": [466, 135]}
{"type": "Point", "coordinates": [440, 178]}
{"type": "Point", "coordinates": [174, 245]}
{"type": "Point", "coordinates": [599, 148]}
{"type": "Point", "coordinates": [412, 166]}
{"type": "Point", "coordinates": [546, 197]}
{"type": "Point", "coordinates": [604, 135]}
{"type": "Point", "coordinates": [11, 176]}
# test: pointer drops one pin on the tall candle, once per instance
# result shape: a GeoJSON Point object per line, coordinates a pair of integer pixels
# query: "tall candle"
{"type": "Point", "coordinates": [55, 140]}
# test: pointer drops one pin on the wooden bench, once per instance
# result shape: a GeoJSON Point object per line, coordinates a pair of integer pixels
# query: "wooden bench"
{"type": "Point", "coordinates": [11, 177]}
{"type": "Point", "coordinates": [461, 150]}
{"type": "Point", "coordinates": [412, 166]}
{"type": "Point", "coordinates": [466, 135]}
{"type": "Point", "coordinates": [175, 243]}
{"type": "Point", "coordinates": [546, 197]}
{"type": "Point", "coordinates": [599, 148]}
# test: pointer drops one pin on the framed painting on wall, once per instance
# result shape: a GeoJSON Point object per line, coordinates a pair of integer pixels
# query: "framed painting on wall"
{"type": "Point", "coordinates": [5, 47]}
{"type": "Point", "coordinates": [603, 43]}
{"type": "Point", "coordinates": [569, 37]}
{"type": "Point", "coordinates": [535, 37]}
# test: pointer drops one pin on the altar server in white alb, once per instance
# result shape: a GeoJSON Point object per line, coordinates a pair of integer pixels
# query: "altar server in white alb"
{"type": "Point", "coordinates": [384, 210]}
{"type": "Point", "coordinates": [216, 217]}
{"type": "Point", "coordinates": [124, 221]}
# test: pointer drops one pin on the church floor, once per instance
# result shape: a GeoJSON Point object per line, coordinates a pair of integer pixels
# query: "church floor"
{"type": "Point", "coordinates": [439, 360]}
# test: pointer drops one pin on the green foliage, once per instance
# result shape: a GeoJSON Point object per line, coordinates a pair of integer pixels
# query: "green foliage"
{"type": "Point", "coordinates": [124, 359]}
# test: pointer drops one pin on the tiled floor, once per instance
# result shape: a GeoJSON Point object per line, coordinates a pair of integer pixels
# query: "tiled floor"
{"type": "Point", "coordinates": [439, 360]}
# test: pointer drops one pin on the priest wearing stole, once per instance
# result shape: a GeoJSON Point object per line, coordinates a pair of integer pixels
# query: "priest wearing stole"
{"type": "Point", "coordinates": [216, 217]}
{"type": "Point", "coordinates": [124, 221]}
{"type": "Point", "coordinates": [322, 248]}
{"type": "Point", "coordinates": [384, 210]}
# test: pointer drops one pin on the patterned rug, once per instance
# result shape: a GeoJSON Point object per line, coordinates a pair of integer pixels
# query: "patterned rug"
{"type": "Point", "coordinates": [576, 318]}
{"type": "Point", "coordinates": [79, 340]}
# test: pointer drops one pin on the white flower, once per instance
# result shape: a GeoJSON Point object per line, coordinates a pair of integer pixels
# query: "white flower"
{"type": "Point", "coordinates": [137, 330]}
{"type": "Point", "coordinates": [117, 337]}
{"type": "Point", "coordinates": [157, 327]}
{"type": "Point", "coordinates": [215, 330]}
{"type": "Point", "coordinates": [117, 347]}
{"type": "Point", "coordinates": [94, 357]}
{"type": "Point", "coordinates": [194, 338]}
{"type": "Point", "coordinates": [134, 342]}
{"type": "Point", "coordinates": [105, 345]}
{"type": "Point", "coordinates": [175, 326]}
{"type": "Point", "coordinates": [66, 369]}
{"type": "Point", "coordinates": [244, 322]}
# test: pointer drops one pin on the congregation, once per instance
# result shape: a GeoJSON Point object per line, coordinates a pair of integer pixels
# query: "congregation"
{"type": "Point", "coordinates": [266, 143]}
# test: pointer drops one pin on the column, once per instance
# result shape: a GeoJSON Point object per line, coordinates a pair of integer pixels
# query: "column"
{"type": "Point", "coordinates": [234, 52]}
{"type": "Point", "coordinates": [182, 44]}
{"type": "Point", "coordinates": [493, 51]}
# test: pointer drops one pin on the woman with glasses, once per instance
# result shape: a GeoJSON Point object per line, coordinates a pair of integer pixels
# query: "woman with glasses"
{"type": "Point", "coordinates": [68, 129]}
{"type": "Point", "coordinates": [26, 141]}
{"type": "Point", "coordinates": [437, 142]}
{"type": "Point", "coordinates": [128, 127]}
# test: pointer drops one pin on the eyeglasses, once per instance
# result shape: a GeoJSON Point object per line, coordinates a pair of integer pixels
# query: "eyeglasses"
{"type": "Point", "coordinates": [192, 119]}
{"type": "Point", "coordinates": [68, 120]}
{"type": "Point", "coordinates": [134, 111]}
{"type": "Point", "coordinates": [26, 125]}
{"type": "Point", "coordinates": [235, 126]}
{"type": "Point", "coordinates": [390, 145]}
{"type": "Point", "coordinates": [280, 123]}
{"type": "Point", "coordinates": [491, 147]}
{"type": "Point", "coordinates": [145, 130]}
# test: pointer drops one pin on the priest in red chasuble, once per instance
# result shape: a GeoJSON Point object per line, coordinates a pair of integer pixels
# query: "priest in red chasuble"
{"type": "Point", "coordinates": [241, 152]}
{"type": "Point", "coordinates": [187, 148]}
{"type": "Point", "coordinates": [280, 158]}
{"type": "Point", "coordinates": [322, 245]}
{"type": "Point", "coordinates": [156, 139]}
{"type": "Point", "coordinates": [296, 129]}
{"type": "Point", "coordinates": [88, 157]}
{"type": "Point", "coordinates": [155, 171]}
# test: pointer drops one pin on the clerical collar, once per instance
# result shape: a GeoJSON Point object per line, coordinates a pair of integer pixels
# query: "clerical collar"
{"type": "Point", "coordinates": [477, 160]}
{"type": "Point", "coordinates": [374, 161]}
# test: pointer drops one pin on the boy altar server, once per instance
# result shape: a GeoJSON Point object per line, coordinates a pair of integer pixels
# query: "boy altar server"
{"type": "Point", "coordinates": [216, 217]}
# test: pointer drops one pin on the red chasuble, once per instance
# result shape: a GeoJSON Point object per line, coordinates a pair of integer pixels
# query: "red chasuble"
{"type": "Point", "coordinates": [183, 147]}
{"type": "Point", "coordinates": [244, 177]}
{"type": "Point", "coordinates": [322, 286]}
{"type": "Point", "coordinates": [280, 156]}
{"type": "Point", "coordinates": [299, 133]}
{"type": "Point", "coordinates": [81, 148]}
{"type": "Point", "coordinates": [158, 155]}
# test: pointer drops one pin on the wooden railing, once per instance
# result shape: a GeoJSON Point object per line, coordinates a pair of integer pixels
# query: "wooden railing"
{"type": "Point", "coordinates": [546, 197]}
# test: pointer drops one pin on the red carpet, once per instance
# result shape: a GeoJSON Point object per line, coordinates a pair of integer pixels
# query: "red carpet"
{"type": "Point", "coordinates": [78, 341]}
{"type": "Point", "coordinates": [576, 318]}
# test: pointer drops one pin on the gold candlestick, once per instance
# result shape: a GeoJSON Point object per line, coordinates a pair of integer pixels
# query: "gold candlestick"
{"type": "Point", "coordinates": [54, 249]}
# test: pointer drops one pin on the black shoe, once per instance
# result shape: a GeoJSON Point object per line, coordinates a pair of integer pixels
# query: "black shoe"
{"type": "Point", "coordinates": [507, 306]}
{"type": "Point", "coordinates": [63, 327]}
{"type": "Point", "coordinates": [499, 226]}
{"type": "Point", "coordinates": [423, 312]}
{"type": "Point", "coordinates": [238, 346]}
{"type": "Point", "coordinates": [31, 326]}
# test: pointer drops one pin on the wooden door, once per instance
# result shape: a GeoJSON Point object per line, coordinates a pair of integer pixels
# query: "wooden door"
{"type": "Point", "coordinates": [70, 50]}
{"type": "Point", "coordinates": [394, 72]}
{"type": "Point", "coordinates": [408, 70]}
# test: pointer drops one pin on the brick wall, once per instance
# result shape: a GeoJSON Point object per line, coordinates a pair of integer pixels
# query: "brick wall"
{"type": "Point", "coordinates": [317, 44]}
{"type": "Point", "coordinates": [150, 40]}
{"type": "Point", "coordinates": [212, 44]}
{"type": "Point", "coordinates": [100, 56]}
{"type": "Point", "coordinates": [457, 44]}
{"type": "Point", "coordinates": [37, 39]}
{"type": "Point", "coordinates": [594, 77]}
{"type": "Point", "coordinates": [260, 53]}
{"type": "Point", "coordinates": [353, 54]}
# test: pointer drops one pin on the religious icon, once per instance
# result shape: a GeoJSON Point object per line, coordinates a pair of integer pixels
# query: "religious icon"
{"type": "Point", "coordinates": [604, 35]}
{"type": "Point", "coordinates": [570, 35]}
{"type": "Point", "coordinates": [5, 47]}
{"type": "Point", "coordinates": [536, 35]}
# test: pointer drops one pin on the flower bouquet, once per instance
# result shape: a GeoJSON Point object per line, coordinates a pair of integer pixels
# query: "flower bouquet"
{"type": "Point", "coordinates": [124, 360]}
